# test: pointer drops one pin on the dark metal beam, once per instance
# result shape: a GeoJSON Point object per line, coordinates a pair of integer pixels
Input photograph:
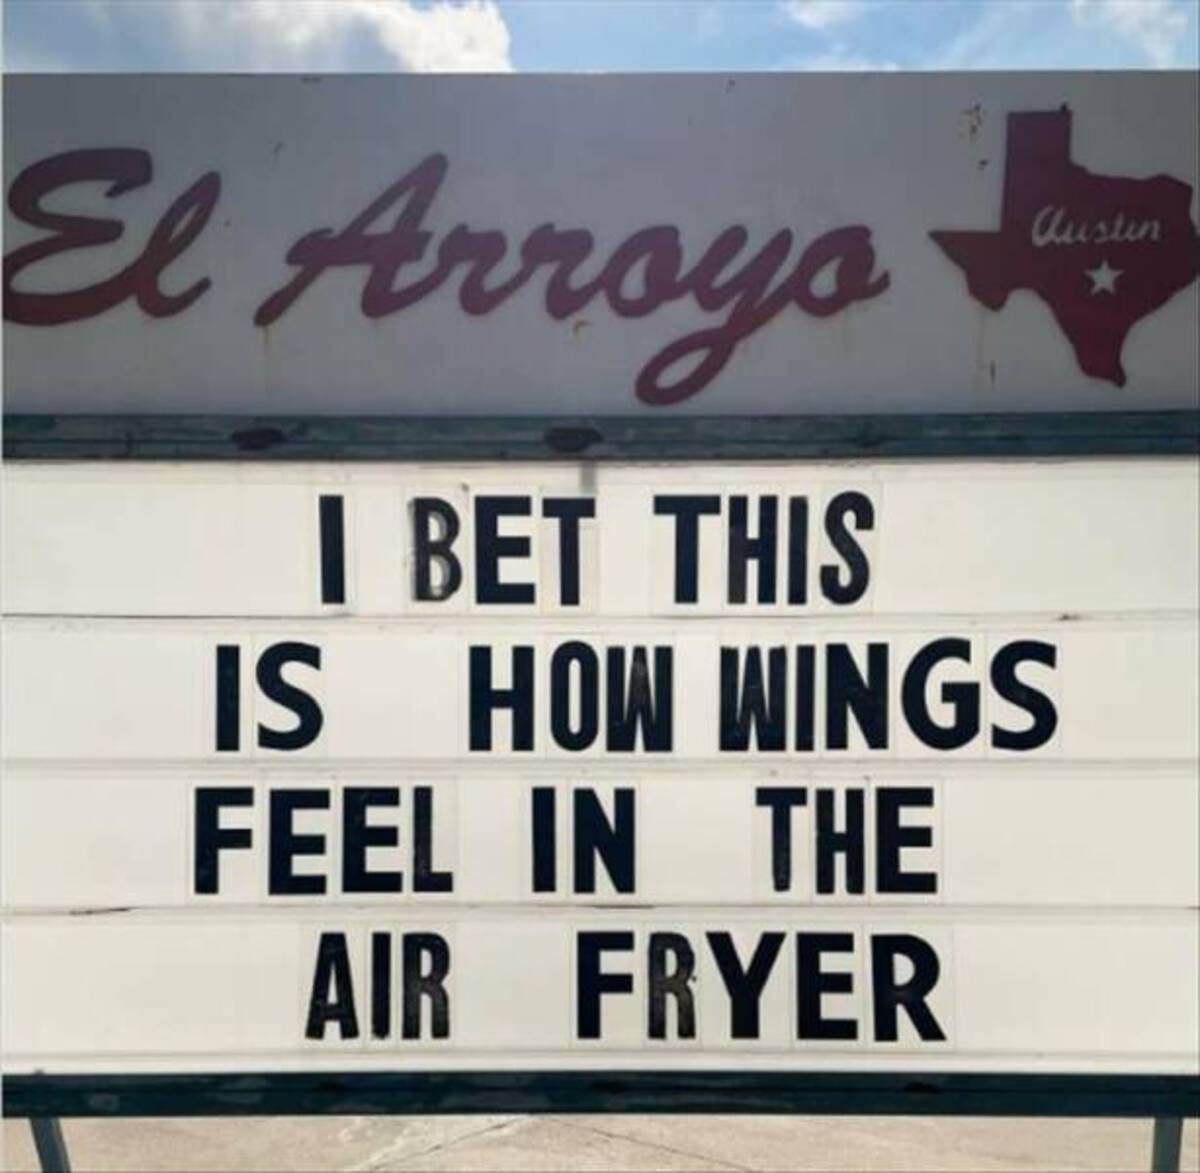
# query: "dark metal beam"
{"type": "Point", "coordinates": [1167, 1145]}
{"type": "Point", "coordinates": [50, 1144]}
{"type": "Point", "coordinates": [601, 438]}
{"type": "Point", "coordinates": [773, 1093]}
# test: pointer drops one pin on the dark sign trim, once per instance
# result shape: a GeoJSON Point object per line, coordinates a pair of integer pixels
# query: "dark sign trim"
{"type": "Point", "coordinates": [599, 438]}
{"type": "Point", "coordinates": [762, 1093]}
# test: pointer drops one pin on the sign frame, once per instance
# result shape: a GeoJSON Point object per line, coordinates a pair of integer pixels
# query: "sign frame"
{"type": "Point", "coordinates": [595, 1092]}
{"type": "Point", "coordinates": [638, 439]}
{"type": "Point", "coordinates": [1046, 428]}
{"type": "Point", "coordinates": [599, 438]}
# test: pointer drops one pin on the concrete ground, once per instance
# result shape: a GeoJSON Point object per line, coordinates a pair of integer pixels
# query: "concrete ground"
{"type": "Point", "coordinates": [601, 1143]}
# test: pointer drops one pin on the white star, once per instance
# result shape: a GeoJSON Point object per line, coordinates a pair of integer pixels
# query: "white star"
{"type": "Point", "coordinates": [1104, 279]}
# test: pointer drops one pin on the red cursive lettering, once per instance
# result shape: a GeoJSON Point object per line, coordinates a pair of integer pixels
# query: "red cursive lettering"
{"type": "Point", "coordinates": [643, 273]}
{"type": "Point", "coordinates": [123, 169]}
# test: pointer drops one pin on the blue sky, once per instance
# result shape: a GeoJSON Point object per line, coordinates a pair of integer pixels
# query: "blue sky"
{"type": "Point", "coordinates": [568, 35]}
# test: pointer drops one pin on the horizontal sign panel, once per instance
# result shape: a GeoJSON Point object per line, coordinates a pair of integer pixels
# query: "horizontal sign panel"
{"type": "Point", "coordinates": [1050, 835]}
{"type": "Point", "coordinates": [820, 989]}
{"type": "Point", "coordinates": [765, 767]}
{"type": "Point", "coordinates": [721, 245]}
{"type": "Point", "coordinates": [737, 540]}
{"type": "Point", "coordinates": [404, 689]}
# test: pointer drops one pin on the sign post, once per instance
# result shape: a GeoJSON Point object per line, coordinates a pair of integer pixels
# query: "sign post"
{"type": "Point", "coordinates": [782, 698]}
{"type": "Point", "coordinates": [50, 1145]}
{"type": "Point", "coordinates": [1168, 1138]}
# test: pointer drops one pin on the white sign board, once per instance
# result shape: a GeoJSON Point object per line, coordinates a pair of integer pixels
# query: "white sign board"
{"type": "Point", "coordinates": [827, 768]}
{"type": "Point", "coordinates": [606, 245]}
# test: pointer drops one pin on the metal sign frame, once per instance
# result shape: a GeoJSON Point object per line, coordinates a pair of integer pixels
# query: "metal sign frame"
{"type": "Point", "coordinates": [594, 1092]}
{"type": "Point", "coordinates": [44, 1098]}
{"type": "Point", "coordinates": [599, 438]}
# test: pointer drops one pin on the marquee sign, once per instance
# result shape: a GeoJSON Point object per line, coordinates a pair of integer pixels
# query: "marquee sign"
{"type": "Point", "coordinates": [746, 767]}
{"type": "Point", "coordinates": [679, 756]}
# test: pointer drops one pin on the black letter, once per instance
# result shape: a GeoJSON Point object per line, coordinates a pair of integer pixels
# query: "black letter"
{"type": "Point", "coordinates": [574, 652]}
{"type": "Point", "coordinates": [428, 984]}
{"type": "Point", "coordinates": [812, 982]}
{"type": "Point", "coordinates": [843, 542]}
{"type": "Point", "coordinates": [887, 995]}
{"type": "Point", "coordinates": [357, 837]}
{"type": "Point", "coordinates": [228, 696]}
{"type": "Point", "coordinates": [485, 698]}
{"type": "Point", "coordinates": [806, 696]}
{"type": "Point", "coordinates": [745, 986]}
{"type": "Point", "coordinates": [569, 511]}
{"type": "Point", "coordinates": [743, 548]}
{"type": "Point", "coordinates": [593, 983]}
{"type": "Point", "coordinates": [303, 704]}
{"type": "Point", "coordinates": [831, 842]}
{"type": "Point", "coordinates": [286, 844]}
{"type": "Point", "coordinates": [845, 689]}
{"type": "Point", "coordinates": [891, 836]}
{"type": "Point", "coordinates": [594, 835]}
{"type": "Point", "coordinates": [756, 706]}
{"type": "Point", "coordinates": [641, 707]}
{"type": "Point", "coordinates": [964, 697]}
{"type": "Point", "coordinates": [425, 879]}
{"type": "Point", "coordinates": [209, 836]}
{"type": "Point", "coordinates": [674, 983]}
{"type": "Point", "coordinates": [332, 997]}
{"type": "Point", "coordinates": [490, 548]}
{"type": "Point", "coordinates": [686, 511]}
{"type": "Point", "coordinates": [781, 799]}
{"type": "Point", "coordinates": [333, 549]}
{"type": "Point", "coordinates": [545, 840]}
{"type": "Point", "coordinates": [797, 550]}
{"type": "Point", "coordinates": [381, 985]}
{"type": "Point", "coordinates": [1036, 703]}
{"type": "Point", "coordinates": [427, 549]}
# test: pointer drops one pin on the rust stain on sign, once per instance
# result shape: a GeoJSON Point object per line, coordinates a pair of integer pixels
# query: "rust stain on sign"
{"type": "Point", "coordinates": [973, 119]}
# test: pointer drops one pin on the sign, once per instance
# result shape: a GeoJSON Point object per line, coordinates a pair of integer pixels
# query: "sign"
{"type": "Point", "coordinates": [842, 768]}
{"type": "Point", "coordinates": [367, 758]}
{"type": "Point", "coordinates": [590, 246]}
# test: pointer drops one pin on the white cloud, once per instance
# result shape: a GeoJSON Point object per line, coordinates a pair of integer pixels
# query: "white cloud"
{"type": "Point", "coordinates": [1070, 34]}
{"type": "Point", "coordinates": [463, 36]}
{"type": "Point", "coordinates": [1154, 27]}
{"type": "Point", "coordinates": [820, 15]}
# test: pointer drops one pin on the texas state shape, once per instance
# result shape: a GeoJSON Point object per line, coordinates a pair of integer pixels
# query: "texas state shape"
{"type": "Point", "coordinates": [1102, 251]}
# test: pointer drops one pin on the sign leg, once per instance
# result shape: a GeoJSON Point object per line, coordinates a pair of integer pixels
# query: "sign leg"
{"type": "Point", "coordinates": [1168, 1140]}
{"type": "Point", "coordinates": [52, 1146]}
